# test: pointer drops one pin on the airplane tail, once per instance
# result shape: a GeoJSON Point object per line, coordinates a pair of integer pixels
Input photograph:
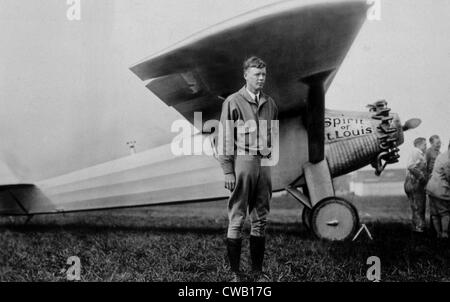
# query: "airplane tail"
{"type": "Point", "coordinates": [23, 199]}
{"type": "Point", "coordinates": [16, 197]}
{"type": "Point", "coordinates": [12, 201]}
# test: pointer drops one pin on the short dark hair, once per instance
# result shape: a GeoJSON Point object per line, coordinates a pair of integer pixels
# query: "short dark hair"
{"type": "Point", "coordinates": [419, 140]}
{"type": "Point", "coordinates": [433, 138]}
{"type": "Point", "coordinates": [253, 61]}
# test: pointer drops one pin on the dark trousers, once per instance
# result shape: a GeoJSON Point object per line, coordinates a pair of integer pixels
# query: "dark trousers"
{"type": "Point", "coordinates": [417, 199]}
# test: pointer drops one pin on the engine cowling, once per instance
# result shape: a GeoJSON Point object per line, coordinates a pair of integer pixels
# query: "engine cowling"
{"type": "Point", "coordinates": [356, 139]}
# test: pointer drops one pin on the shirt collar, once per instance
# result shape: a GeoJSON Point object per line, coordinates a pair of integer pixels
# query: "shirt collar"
{"type": "Point", "coordinates": [252, 94]}
{"type": "Point", "coordinates": [418, 150]}
{"type": "Point", "coordinates": [251, 99]}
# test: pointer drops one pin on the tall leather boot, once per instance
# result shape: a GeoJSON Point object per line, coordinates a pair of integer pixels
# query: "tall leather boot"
{"type": "Point", "coordinates": [257, 248]}
{"type": "Point", "coordinates": [234, 257]}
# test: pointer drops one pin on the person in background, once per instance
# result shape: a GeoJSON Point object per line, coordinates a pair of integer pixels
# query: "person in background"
{"type": "Point", "coordinates": [432, 153]}
{"type": "Point", "coordinates": [430, 156]}
{"type": "Point", "coordinates": [415, 182]}
{"type": "Point", "coordinates": [438, 190]}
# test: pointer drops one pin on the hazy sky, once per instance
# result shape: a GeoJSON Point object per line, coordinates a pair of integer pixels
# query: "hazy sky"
{"type": "Point", "coordinates": [68, 99]}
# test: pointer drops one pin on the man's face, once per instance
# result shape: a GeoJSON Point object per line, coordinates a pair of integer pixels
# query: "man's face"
{"type": "Point", "coordinates": [436, 144]}
{"type": "Point", "coordinates": [255, 78]}
{"type": "Point", "coordinates": [423, 146]}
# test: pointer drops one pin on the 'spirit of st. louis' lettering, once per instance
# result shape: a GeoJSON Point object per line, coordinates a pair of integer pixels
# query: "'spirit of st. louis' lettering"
{"type": "Point", "coordinates": [342, 127]}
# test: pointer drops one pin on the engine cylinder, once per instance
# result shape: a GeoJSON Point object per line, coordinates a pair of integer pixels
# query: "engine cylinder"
{"type": "Point", "coordinates": [351, 154]}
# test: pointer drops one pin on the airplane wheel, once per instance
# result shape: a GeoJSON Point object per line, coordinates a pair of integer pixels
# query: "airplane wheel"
{"type": "Point", "coordinates": [334, 219]}
{"type": "Point", "coordinates": [306, 217]}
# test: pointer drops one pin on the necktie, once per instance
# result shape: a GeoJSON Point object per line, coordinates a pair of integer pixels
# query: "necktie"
{"type": "Point", "coordinates": [257, 100]}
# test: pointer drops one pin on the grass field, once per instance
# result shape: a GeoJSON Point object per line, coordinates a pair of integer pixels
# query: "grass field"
{"type": "Point", "coordinates": [185, 243]}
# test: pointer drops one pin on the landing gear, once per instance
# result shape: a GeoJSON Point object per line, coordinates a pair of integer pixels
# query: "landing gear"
{"type": "Point", "coordinates": [334, 219]}
{"type": "Point", "coordinates": [306, 217]}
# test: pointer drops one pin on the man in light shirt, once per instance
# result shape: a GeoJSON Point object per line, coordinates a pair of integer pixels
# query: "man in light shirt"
{"type": "Point", "coordinates": [415, 182]}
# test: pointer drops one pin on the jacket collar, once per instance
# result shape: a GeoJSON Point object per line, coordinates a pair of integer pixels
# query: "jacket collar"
{"type": "Point", "coordinates": [246, 95]}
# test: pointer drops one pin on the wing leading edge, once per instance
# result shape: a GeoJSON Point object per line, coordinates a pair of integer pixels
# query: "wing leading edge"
{"type": "Point", "coordinates": [296, 40]}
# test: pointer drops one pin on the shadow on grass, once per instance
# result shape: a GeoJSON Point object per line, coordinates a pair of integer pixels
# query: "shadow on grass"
{"type": "Point", "coordinates": [383, 232]}
{"type": "Point", "coordinates": [174, 226]}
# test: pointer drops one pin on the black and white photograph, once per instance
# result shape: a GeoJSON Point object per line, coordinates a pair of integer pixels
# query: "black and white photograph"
{"type": "Point", "coordinates": [212, 141]}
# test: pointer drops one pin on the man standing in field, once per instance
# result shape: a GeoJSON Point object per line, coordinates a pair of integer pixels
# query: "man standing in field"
{"type": "Point", "coordinates": [246, 122]}
{"type": "Point", "coordinates": [415, 182]}
{"type": "Point", "coordinates": [432, 153]}
{"type": "Point", "coordinates": [430, 156]}
{"type": "Point", "coordinates": [438, 190]}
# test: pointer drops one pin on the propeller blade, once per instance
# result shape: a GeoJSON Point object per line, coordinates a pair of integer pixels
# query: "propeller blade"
{"type": "Point", "coordinates": [412, 124]}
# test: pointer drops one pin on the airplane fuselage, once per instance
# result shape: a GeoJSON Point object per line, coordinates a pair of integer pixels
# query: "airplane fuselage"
{"type": "Point", "coordinates": [157, 176]}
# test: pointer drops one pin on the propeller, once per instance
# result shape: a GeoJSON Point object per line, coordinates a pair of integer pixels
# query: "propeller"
{"type": "Point", "coordinates": [412, 124]}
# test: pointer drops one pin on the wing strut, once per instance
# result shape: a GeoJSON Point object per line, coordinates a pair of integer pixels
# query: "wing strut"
{"type": "Point", "coordinates": [315, 115]}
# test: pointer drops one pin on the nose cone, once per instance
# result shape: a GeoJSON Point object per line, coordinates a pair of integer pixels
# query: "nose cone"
{"type": "Point", "coordinates": [411, 124]}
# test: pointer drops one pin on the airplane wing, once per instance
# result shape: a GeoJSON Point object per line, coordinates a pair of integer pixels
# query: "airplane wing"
{"type": "Point", "coordinates": [297, 39]}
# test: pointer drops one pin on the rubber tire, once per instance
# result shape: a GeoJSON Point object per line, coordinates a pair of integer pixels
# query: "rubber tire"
{"type": "Point", "coordinates": [331, 233]}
